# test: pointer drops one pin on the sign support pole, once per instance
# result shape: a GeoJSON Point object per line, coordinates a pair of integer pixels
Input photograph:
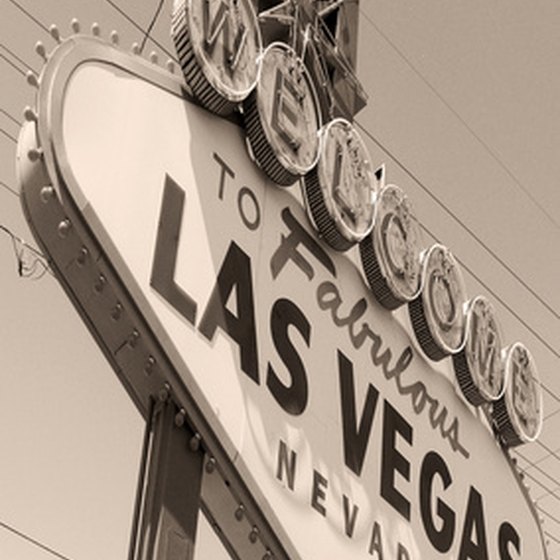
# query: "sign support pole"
{"type": "Point", "coordinates": [169, 490]}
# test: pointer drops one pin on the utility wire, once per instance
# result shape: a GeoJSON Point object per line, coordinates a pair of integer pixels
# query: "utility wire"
{"type": "Point", "coordinates": [8, 135]}
{"type": "Point", "coordinates": [13, 119]}
{"type": "Point", "coordinates": [151, 26]}
{"type": "Point", "coordinates": [449, 212]}
{"type": "Point", "coordinates": [141, 29]}
{"type": "Point", "coordinates": [34, 268]}
{"type": "Point", "coordinates": [473, 274]}
{"type": "Point", "coordinates": [9, 189]}
{"type": "Point", "coordinates": [549, 515]}
{"type": "Point", "coordinates": [33, 541]}
{"type": "Point", "coordinates": [14, 66]}
{"type": "Point", "coordinates": [19, 59]}
{"type": "Point", "coordinates": [484, 144]}
{"type": "Point", "coordinates": [29, 15]}
{"type": "Point", "coordinates": [533, 465]}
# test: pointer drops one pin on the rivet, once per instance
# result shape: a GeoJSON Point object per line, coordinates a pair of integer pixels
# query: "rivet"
{"type": "Point", "coordinates": [114, 37]}
{"type": "Point", "coordinates": [82, 256]}
{"type": "Point", "coordinates": [163, 394]}
{"type": "Point", "coordinates": [135, 48]}
{"type": "Point", "coordinates": [95, 29]}
{"type": "Point", "coordinates": [116, 312]}
{"type": "Point", "coordinates": [75, 25]}
{"type": "Point", "coordinates": [47, 194]}
{"type": "Point", "coordinates": [211, 465]}
{"type": "Point", "coordinates": [133, 338]}
{"type": "Point", "coordinates": [55, 33]}
{"type": "Point", "coordinates": [194, 443]}
{"type": "Point", "coordinates": [240, 512]}
{"type": "Point", "coordinates": [149, 366]}
{"type": "Point", "coordinates": [32, 79]}
{"type": "Point", "coordinates": [34, 154]}
{"type": "Point", "coordinates": [254, 535]}
{"type": "Point", "coordinates": [170, 65]}
{"type": "Point", "coordinates": [100, 283]}
{"type": "Point", "coordinates": [64, 228]}
{"type": "Point", "coordinates": [180, 418]}
{"type": "Point", "coordinates": [154, 57]}
{"type": "Point", "coordinates": [40, 50]}
{"type": "Point", "coordinates": [29, 115]}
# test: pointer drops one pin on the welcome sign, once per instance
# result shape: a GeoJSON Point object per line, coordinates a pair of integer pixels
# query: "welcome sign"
{"type": "Point", "coordinates": [352, 440]}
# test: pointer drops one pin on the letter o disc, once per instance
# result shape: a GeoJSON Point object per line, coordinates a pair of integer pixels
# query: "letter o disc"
{"type": "Point", "coordinates": [518, 414]}
{"type": "Point", "coordinates": [437, 312]}
{"type": "Point", "coordinates": [218, 45]}
{"type": "Point", "coordinates": [391, 253]}
{"type": "Point", "coordinates": [282, 117]}
{"type": "Point", "coordinates": [340, 191]}
{"type": "Point", "coordinates": [478, 366]}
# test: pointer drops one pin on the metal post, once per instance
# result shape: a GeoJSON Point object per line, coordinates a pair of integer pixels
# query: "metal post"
{"type": "Point", "coordinates": [169, 491]}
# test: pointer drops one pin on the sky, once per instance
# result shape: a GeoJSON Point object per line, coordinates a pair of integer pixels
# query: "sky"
{"type": "Point", "coordinates": [463, 110]}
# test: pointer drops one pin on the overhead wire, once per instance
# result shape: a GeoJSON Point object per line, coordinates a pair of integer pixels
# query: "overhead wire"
{"type": "Point", "coordinates": [33, 541]}
{"type": "Point", "coordinates": [14, 66]}
{"type": "Point", "coordinates": [484, 144]}
{"type": "Point", "coordinates": [17, 57]}
{"type": "Point", "coordinates": [9, 189]}
{"type": "Point", "coordinates": [8, 135]}
{"type": "Point", "coordinates": [141, 29]}
{"type": "Point", "coordinates": [29, 15]}
{"type": "Point", "coordinates": [494, 294]}
{"type": "Point", "coordinates": [534, 465]}
{"type": "Point", "coordinates": [151, 26]}
{"type": "Point", "coordinates": [454, 216]}
{"type": "Point", "coordinates": [33, 268]}
{"type": "Point", "coordinates": [10, 116]}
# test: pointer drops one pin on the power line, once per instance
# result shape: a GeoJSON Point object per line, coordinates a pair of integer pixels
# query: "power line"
{"type": "Point", "coordinates": [8, 135]}
{"type": "Point", "coordinates": [29, 15]}
{"type": "Point", "coordinates": [9, 189]}
{"type": "Point", "coordinates": [511, 310]}
{"type": "Point", "coordinates": [13, 119]}
{"type": "Point", "coordinates": [141, 29]}
{"type": "Point", "coordinates": [484, 144]}
{"type": "Point", "coordinates": [549, 515]}
{"type": "Point", "coordinates": [533, 465]}
{"type": "Point", "coordinates": [33, 541]}
{"type": "Point", "coordinates": [14, 66]}
{"type": "Point", "coordinates": [19, 59]}
{"type": "Point", "coordinates": [151, 26]}
{"type": "Point", "coordinates": [460, 222]}
{"type": "Point", "coordinates": [36, 266]}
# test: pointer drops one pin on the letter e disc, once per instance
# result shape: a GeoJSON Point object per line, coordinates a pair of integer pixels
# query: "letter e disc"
{"type": "Point", "coordinates": [340, 191]}
{"type": "Point", "coordinates": [518, 414]}
{"type": "Point", "coordinates": [219, 46]}
{"type": "Point", "coordinates": [437, 313]}
{"type": "Point", "coordinates": [391, 253]}
{"type": "Point", "coordinates": [282, 117]}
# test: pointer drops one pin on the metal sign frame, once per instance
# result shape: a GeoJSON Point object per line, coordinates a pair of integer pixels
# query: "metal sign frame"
{"type": "Point", "coordinates": [109, 306]}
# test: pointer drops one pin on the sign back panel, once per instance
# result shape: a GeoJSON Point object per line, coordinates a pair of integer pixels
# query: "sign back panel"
{"type": "Point", "coordinates": [352, 442]}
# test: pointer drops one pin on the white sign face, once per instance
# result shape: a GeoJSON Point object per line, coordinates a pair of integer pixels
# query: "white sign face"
{"type": "Point", "coordinates": [324, 402]}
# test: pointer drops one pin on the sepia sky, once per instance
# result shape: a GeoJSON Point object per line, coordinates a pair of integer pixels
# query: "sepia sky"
{"type": "Point", "coordinates": [463, 111]}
